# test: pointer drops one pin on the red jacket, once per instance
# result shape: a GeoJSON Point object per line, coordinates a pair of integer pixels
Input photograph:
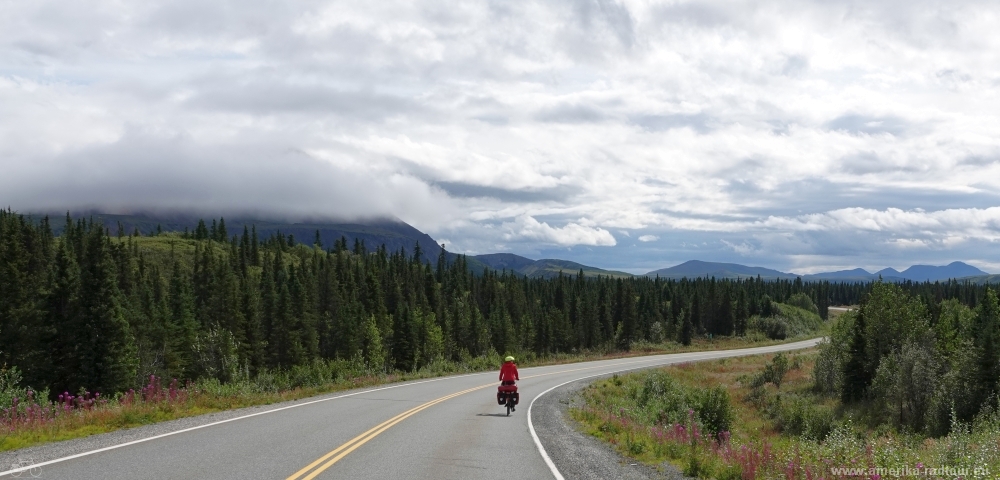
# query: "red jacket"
{"type": "Point", "coordinates": [508, 372]}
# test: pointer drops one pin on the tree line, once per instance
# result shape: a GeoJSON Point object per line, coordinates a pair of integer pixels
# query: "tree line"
{"type": "Point", "coordinates": [916, 361]}
{"type": "Point", "coordinates": [91, 309]}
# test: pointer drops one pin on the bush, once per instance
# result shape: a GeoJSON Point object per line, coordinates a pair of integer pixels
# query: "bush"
{"type": "Point", "coordinates": [801, 300]}
{"type": "Point", "coordinates": [771, 327]}
{"type": "Point", "coordinates": [715, 410]}
{"type": "Point", "coordinates": [797, 320]}
{"type": "Point", "coordinates": [10, 379]}
{"type": "Point", "coordinates": [776, 369]}
{"type": "Point", "coordinates": [664, 400]}
{"type": "Point", "coordinates": [800, 416]}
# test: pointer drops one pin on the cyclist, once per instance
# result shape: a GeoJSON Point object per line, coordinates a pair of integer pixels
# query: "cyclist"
{"type": "Point", "coordinates": [508, 372]}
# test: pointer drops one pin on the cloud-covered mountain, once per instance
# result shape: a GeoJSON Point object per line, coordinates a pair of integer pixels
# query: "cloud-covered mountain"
{"type": "Point", "coordinates": [372, 232]}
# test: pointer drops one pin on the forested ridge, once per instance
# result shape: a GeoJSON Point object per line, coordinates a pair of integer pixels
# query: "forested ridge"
{"type": "Point", "coordinates": [104, 311]}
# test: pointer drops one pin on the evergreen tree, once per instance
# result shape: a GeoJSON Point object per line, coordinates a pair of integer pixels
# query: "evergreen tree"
{"type": "Point", "coordinates": [107, 355]}
{"type": "Point", "coordinates": [687, 328]}
{"type": "Point", "coordinates": [201, 231]}
{"type": "Point", "coordinates": [857, 376]}
{"type": "Point", "coordinates": [987, 342]}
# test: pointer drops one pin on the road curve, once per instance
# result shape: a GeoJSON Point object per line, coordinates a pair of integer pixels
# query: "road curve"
{"type": "Point", "coordinates": [447, 428]}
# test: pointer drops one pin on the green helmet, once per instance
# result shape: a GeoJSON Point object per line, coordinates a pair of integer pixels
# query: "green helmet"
{"type": "Point", "coordinates": [509, 359]}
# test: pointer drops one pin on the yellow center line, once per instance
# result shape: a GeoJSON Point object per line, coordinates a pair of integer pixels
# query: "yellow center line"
{"type": "Point", "coordinates": [352, 444]}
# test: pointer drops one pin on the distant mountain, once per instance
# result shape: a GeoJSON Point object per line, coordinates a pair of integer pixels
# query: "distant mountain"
{"type": "Point", "coordinates": [545, 268]}
{"type": "Point", "coordinates": [930, 273]}
{"type": "Point", "coordinates": [698, 268]}
{"type": "Point", "coordinates": [888, 273]}
{"type": "Point", "coordinates": [855, 275]}
{"type": "Point", "coordinates": [916, 273]}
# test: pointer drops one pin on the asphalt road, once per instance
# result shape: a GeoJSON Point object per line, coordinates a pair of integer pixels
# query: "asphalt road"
{"type": "Point", "coordinates": [441, 428]}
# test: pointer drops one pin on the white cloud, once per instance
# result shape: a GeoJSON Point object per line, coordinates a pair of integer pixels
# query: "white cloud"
{"type": "Point", "coordinates": [648, 238]}
{"type": "Point", "coordinates": [526, 227]}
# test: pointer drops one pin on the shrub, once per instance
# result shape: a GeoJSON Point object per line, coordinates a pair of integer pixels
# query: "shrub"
{"type": "Point", "coordinates": [10, 379]}
{"type": "Point", "coordinates": [798, 321]}
{"type": "Point", "coordinates": [800, 416]}
{"type": "Point", "coordinates": [803, 301]}
{"type": "Point", "coordinates": [715, 410]}
{"type": "Point", "coordinates": [771, 327]}
{"type": "Point", "coordinates": [775, 370]}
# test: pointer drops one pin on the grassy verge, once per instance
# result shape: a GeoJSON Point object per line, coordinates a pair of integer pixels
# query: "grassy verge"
{"type": "Point", "coordinates": [759, 417]}
{"type": "Point", "coordinates": [29, 421]}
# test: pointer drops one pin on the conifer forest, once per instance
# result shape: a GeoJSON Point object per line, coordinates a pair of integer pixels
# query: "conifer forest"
{"type": "Point", "coordinates": [101, 310]}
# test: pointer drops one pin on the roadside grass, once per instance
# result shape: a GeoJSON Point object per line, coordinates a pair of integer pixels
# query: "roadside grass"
{"type": "Point", "coordinates": [32, 420]}
{"type": "Point", "coordinates": [785, 431]}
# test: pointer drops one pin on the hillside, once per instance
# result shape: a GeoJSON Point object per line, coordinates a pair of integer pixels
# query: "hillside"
{"type": "Point", "coordinates": [699, 269]}
{"type": "Point", "coordinates": [544, 268]}
{"type": "Point", "coordinates": [391, 232]}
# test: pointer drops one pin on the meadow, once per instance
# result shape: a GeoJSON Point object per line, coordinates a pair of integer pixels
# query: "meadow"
{"type": "Point", "coordinates": [760, 417]}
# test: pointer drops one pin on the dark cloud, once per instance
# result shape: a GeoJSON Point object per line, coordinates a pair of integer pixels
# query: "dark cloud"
{"type": "Point", "coordinates": [146, 172]}
{"type": "Point", "coordinates": [466, 190]}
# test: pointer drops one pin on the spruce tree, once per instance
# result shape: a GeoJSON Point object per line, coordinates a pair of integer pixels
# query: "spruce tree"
{"type": "Point", "coordinates": [63, 313]}
{"type": "Point", "coordinates": [222, 235]}
{"type": "Point", "coordinates": [687, 328]}
{"type": "Point", "coordinates": [107, 357]}
{"type": "Point", "coordinates": [856, 375]}
{"type": "Point", "coordinates": [987, 342]}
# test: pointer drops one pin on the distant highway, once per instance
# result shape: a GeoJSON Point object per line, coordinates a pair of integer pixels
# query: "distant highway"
{"type": "Point", "coordinates": [444, 428]}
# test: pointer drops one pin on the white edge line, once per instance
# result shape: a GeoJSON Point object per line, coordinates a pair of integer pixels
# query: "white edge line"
{"type": "Point", "coordinates": [185, 430]}
{"type": "Point", "coordinates": [743, 352]}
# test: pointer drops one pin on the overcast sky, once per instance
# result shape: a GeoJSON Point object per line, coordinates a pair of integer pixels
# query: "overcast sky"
{"type": "Point", "coordinates": [797, 135]}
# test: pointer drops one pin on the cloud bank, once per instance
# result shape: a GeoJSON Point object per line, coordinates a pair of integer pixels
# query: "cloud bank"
{"type": "Point", "coordinates": [795, 135]}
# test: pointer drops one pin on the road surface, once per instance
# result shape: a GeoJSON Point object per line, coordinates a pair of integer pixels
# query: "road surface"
{"type": "Point", "coordinates": [443, 428]}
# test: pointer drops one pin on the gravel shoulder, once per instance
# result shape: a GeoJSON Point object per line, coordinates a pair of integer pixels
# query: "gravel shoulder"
{"type": "Point", "coordinates": [581, 456]}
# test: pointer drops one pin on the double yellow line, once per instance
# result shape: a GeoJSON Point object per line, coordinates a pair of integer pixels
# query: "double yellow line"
{"type": "Point", "coordinates": [308, 472]}
{"type": "Point", "coordinates": [360, 440]}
